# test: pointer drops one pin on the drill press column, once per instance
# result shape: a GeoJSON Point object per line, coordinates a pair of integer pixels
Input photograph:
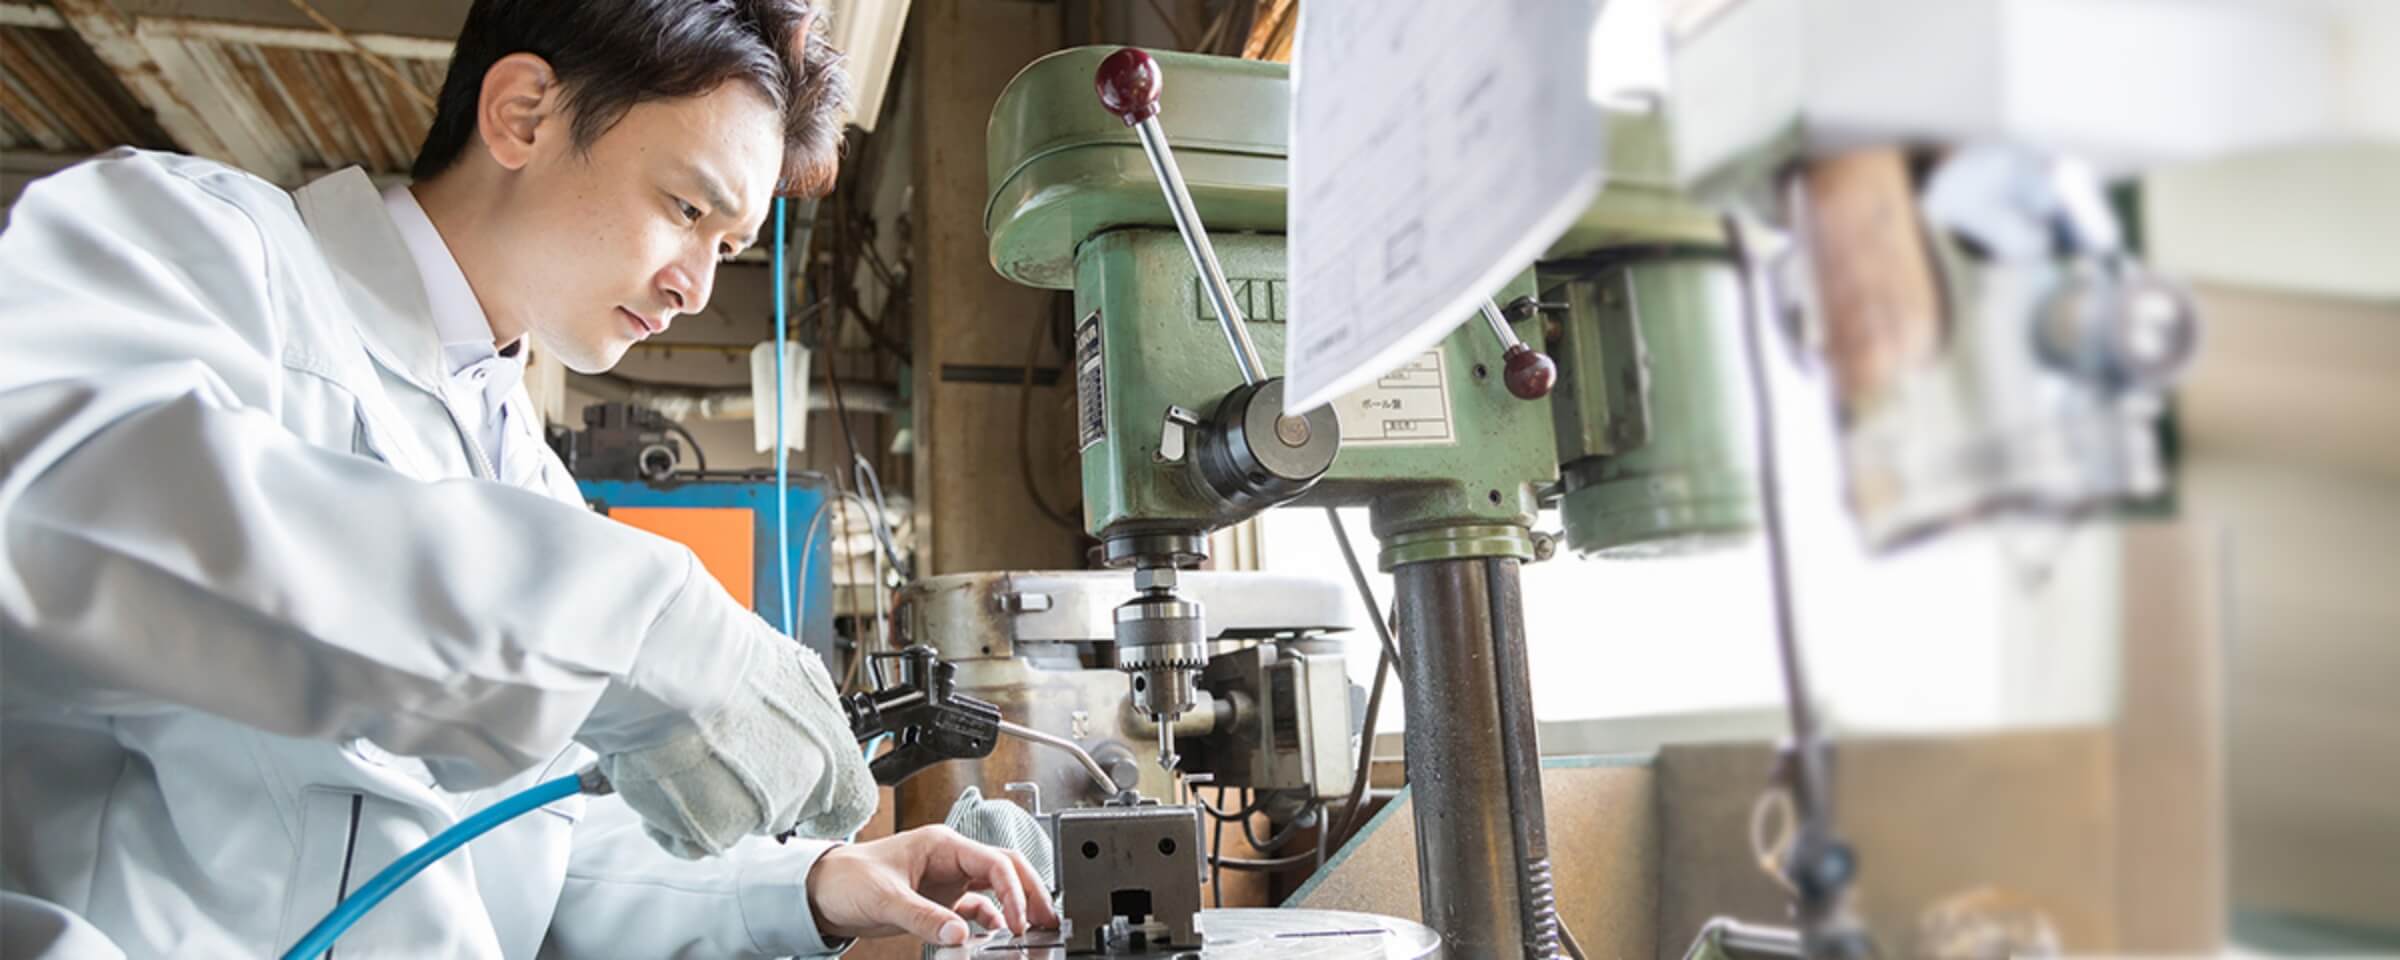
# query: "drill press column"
{"type": "Point", "coordinates": [1483, 860]}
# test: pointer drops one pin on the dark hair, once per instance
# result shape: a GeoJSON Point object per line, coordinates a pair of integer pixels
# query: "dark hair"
{"type": "Point", "coordinates": [612, 54]}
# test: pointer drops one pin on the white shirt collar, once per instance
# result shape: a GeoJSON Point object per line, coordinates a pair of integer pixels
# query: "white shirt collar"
{"type": "Point", "coordinates": [458, 318]}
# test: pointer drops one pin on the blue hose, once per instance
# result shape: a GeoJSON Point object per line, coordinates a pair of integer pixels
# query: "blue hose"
{"type": "Point", "coordinates": [783, 520]}
{"type": "Point", "coordinates": [320, 937]}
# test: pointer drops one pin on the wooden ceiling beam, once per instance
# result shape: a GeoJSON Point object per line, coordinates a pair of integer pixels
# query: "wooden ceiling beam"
{"type": "Point", "coordinates": [196, 102]}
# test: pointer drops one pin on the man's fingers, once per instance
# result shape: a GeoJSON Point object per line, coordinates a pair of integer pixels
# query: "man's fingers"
{"type": "Point", "coordinates": [982, 911]}
{"type": "Point", "coordinates": [1039, 911]}
{"type": "Point", "coordinates": [992, 868]}
{"type": "Point", "coordinates": [927, 921]}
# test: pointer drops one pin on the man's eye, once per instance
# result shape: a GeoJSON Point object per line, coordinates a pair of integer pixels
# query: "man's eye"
{"type": "Point", "coordinates": [691, 214]}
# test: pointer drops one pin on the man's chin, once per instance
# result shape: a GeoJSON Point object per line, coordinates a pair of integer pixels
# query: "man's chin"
{"type": "Point", "coordinates": [589, 359]}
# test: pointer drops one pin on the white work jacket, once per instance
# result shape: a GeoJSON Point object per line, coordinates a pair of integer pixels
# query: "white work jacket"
{"type": "Point", "coordinates": [267, 622]}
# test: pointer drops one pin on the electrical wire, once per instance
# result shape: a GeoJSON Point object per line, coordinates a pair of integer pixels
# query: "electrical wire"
{"type": "Point", "coordinates": [1771, 822]}
{"type": "Point", "coordinates": [320, 938]}
{"type": "Point", "coordinates": [1254, 803]}
{"type": "Point", "coordinates": [877, 335]}
{"type": "Point", "coordinates": [841, 418]}
{"type": "Point", "coordinates": [1033, 492]}
{"type": "Point", "coordinates": [862, 477]}
{"type": "Point", "coordinates": [1275, 863]}
{"type": "Point", "coordinates": [808, 548]}
{"type": "Point", "coordinates": [1249, 807]}
{"type": "Point", "coordinates": [699, 456]}
{"type": "Point", "coordinates": [1821, 910]}
{"type": "Point", "coordinates": [1566, 939]}
{"type": "Point", "coordinates": [1354, 814]}
{"type": "Point", "coordinates": [1216, 845]}
{"type": "Point", "coordinates": [1284, 834]}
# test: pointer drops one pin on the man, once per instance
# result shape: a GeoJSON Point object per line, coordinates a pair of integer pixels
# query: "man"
{"type": "Point", "coordinates": [291, 582]}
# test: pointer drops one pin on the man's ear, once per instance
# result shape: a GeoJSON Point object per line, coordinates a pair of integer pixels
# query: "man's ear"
{"type": "Point", "coordinates": [519, 92]}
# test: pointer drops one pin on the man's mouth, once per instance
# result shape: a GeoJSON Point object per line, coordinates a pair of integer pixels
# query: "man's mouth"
{"type": "Point", "coordinates": [642, 324]}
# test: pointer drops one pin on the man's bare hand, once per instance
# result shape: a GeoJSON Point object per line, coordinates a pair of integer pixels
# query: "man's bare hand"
{"type": "Point", "coordinates": [923, 883]}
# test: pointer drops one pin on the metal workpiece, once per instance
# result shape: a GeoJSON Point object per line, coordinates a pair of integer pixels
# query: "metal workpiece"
{"type": "Point", "coordinates": [1651, 412]}
{"type": "Point", "coordinates": [1482, 852]}
{"type": "Point", "coordinates": [1255, 456]}
{"type": "Point", "coordinates": [1244, 933]}
{"type": "Point", "coordinates": [1044, 614]}
{"type": "Point", "coordinates": [1129, 877]}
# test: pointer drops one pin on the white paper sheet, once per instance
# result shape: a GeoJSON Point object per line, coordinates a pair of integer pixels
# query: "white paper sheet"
{"type": "Point", "coordinates": [1437, 147]}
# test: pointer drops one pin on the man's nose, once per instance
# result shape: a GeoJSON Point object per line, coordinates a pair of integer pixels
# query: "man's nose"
{"type": "Point", "coordinates": [686, 289]}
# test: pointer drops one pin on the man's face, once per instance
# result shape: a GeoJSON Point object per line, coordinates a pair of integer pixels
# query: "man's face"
{"type": "Point", "coordinates": [608, 246]}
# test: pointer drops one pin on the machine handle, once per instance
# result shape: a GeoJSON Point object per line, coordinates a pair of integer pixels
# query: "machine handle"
{"type": "Point", "coordinates": [1129, 84]}
{"type": "Point", "coordinates": [1529, 373]}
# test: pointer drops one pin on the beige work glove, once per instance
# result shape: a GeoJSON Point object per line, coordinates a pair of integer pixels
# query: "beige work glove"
{"type": "Point", "coordinates": [777, 758]}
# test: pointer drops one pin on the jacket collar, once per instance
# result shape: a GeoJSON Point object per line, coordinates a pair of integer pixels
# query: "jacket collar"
{"type": "Point", "coordinates": [346, 214]}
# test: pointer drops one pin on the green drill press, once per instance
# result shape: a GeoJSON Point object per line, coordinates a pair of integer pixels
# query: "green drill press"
{"type": "Point", "coordinates": [1182, 432]}
{"type": "Point", "coordinates": [1182, 429]}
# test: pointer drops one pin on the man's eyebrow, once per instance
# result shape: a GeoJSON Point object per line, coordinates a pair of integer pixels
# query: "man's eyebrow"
{"type": "Point", "coordinates": [718, 199]}
{"type": "Point", "coordinates": [711, 190]}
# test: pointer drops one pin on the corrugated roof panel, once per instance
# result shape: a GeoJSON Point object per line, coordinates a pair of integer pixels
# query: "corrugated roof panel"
{"type": "Point", "coordinates": [275, 103]}
{"type": "Point", "coordinates": [313, 96]}
{"type": "Point", "coordinates": [336, 143]}
{"type": "Point", "coordinates": [334, 109]}
{"type": "Point", "coordinates": [59, 98]}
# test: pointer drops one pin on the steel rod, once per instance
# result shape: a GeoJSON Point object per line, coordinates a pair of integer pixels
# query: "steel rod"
{"type": "Point", "coordinates": [1499, 325]}
{"type": "Point", "coordinates": [1204, 254]}
{"type": "Point", "coordinates": [1820, 890]}
{"type": "Point", "coordinates": [1099, 774]}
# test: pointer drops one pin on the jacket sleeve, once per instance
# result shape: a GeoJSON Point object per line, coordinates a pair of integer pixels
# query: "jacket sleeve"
{"type": "Point", "coordinates": [625, 897]}
{"type": "Point", "coordinates": [164, 538]}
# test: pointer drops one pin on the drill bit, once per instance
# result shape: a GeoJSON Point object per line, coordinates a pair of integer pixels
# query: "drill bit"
{"type": "Point", "coordinates": [1166, 744]}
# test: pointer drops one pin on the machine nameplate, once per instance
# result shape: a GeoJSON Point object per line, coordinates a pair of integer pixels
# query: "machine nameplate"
{"type": "Point", "coordinates": [1409, 406]}
{"type": "Point", "coordinates": [1091, 387]}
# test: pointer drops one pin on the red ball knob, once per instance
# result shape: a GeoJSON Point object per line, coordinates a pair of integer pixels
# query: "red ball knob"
{"type": "Point", "coordinates": [1129, 84]}
{"type": "Point", "coordinates": [1529, 375]}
